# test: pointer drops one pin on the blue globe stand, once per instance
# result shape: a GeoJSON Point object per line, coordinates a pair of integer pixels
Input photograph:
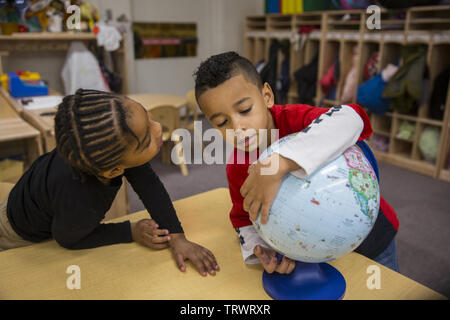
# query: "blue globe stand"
{"type": "Point", "coordinates": [308, 281]}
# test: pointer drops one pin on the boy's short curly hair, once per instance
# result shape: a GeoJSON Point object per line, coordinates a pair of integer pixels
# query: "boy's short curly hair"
{"type": "Point", "coordinates": [219, 68]}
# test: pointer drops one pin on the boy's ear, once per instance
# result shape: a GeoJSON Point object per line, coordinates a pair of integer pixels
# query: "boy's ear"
{"type": "Point", "coordinates": [268, 97]}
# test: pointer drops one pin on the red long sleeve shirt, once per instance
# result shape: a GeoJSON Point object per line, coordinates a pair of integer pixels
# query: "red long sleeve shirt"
{"type": "Point", "coordinates": [294, 118]}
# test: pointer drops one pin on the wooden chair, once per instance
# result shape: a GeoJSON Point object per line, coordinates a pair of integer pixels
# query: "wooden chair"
{"type": "Point", "coordinates": [191, 115]}
{"type": "Point", "coordinates": [191, 111]}
{"type": "Point", "coordinates": [169, 118]}
{"type": "Point", "coordinates": [47, 130]}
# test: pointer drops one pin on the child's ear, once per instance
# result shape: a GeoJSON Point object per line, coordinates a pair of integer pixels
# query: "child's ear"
{"type": "Point", "coordinates": [267, 94]}
{"type": "Point", "coordinates": [113, 173]}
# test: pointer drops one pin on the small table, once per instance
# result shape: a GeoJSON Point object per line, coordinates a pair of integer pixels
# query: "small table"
{"type": "Point", "coordinates": [131, 271]}
{"type": "Point", "coordinates": [16, 135]}
{"type": "Point", "coordinates": [41, 119]}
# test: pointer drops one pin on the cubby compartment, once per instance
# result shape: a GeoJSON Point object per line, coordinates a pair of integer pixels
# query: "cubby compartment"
{"type": "Point", "coordinates": [379, 143]}
{"type": "Point", "coordinates": [333, 35]}
{"type": "Point", "coordinates": [401, 148]}
{"type": "Point", "coordinates": [390, 20]}
{"type": "Point", "coordinates": [255, 49]}
{"type": "Point", "coordinates": [391, 53]}
{"type": "Point", "coordinates": [370, 51]}
{"type": "Point", "coordinates": [261, 50]}
{"type": "Point", "coordinates": [444, 166]}
{"type": "Point", "coordinates": [344, 20]}
{"type": "Point", "coordinates": [429, 18]}
{"type": "Point", "coordinates": [311, 19]}
{"type": "Point", "coordinates": [327, 87]}
{"type": "Point", "coordinates": [280, 22]}
{"type": "Point", "coordinates": [301, 57]}
{"type": "Point", "coordinates": [311, 49]}
{"type": "Point", "coordinates": [283, 70]}
{"type": "Point", "coordinates": [439, 70]}
{"type": "Point", "coordinates": [249, 48]}
{"type": "Point", "coordinates": [405, 130]}
{"type": "Point", "coordinates": [381, 124]}
{"type": "Point", "coordinates": [349, 60]}
{"type": "Point", "coordinates": [255, 23]}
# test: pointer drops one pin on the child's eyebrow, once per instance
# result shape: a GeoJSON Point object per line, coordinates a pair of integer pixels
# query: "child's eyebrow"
{"type": "Point", "coordinates": [240, 101]}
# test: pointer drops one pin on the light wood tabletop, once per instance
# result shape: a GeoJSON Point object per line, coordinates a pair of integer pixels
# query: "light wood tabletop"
{"type": "Point", "coordinates": [16, 128]}
{"type": "Point", "coordinates": [152, 100]}
{"type": "Point", "coordinates": [131, 271]}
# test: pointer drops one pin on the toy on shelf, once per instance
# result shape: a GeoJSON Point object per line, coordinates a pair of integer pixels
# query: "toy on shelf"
{"type": "Point", "coordinates": [24, 84]}
{"type": "Point", "coordinates": [429, 143]}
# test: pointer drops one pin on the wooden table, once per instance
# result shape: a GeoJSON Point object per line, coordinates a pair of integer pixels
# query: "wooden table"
{"type": "Point", "coordinates": [17, 136]}
{"type": "Point", "coordinates": [41, 119]}
{"type": "Point", "coordinates": [131, 271]}
{"type": "Point", "coordinates": [151, 100]}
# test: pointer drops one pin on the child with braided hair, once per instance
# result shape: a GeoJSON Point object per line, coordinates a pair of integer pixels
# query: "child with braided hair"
{"type": "Point", "coordinates": [100, 137]}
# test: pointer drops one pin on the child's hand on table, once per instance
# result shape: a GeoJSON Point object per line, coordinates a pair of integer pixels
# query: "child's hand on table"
{"type": "Point", "coordinates": [146, 232]}
{"type": "Point", "coordinates": [262, 184]}
{"type": "Point", "coordinates": [270, 262]}
{"type": "Point", "coordinates": [201, 257]}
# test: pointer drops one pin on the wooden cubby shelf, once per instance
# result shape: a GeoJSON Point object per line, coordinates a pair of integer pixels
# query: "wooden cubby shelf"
{"type": "Point", "coordinates": [345, 34]}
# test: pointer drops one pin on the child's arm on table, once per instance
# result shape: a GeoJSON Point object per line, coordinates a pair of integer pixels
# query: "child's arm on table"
{"type": "Point", "coordinates": [165, 230]}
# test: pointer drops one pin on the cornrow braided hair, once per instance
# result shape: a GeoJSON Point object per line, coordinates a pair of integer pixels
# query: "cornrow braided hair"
{"type": "Point", "coordinates": [90, 129]}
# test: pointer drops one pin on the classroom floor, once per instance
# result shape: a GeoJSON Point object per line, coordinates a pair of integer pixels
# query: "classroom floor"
{"type": "Point", "coordinates": [421, 202]}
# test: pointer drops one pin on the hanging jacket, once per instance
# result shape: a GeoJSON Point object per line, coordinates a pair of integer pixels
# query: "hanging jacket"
{"type": "Point", "coordinates": [439, 95]}
{"type": "Point", "coordinates": [269, 72]}
{"type": "Point", "coordinates": [405, 87]}
{"type": "Point", "coordinates": [306, 78]}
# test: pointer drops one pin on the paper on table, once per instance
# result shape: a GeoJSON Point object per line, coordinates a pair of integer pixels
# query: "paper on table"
{"type": "Point", "coordinates": [33, 103]}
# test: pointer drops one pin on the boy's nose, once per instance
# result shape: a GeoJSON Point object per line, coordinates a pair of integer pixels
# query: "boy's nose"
{"type": "Point", "coordinates": [238, 125]}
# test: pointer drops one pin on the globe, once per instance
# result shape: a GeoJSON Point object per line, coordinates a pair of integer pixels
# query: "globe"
{"type": "Point", "coordinates": [326, 215]}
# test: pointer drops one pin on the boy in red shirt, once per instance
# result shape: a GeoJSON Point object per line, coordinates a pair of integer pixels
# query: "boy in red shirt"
{"type": "Point", "coordinates": [230, 93]}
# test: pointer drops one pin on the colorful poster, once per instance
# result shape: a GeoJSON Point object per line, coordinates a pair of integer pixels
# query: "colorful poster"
{"type": "Point", "coordinates": [164, 40]}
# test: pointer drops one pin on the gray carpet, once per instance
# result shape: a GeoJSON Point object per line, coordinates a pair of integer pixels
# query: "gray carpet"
{"type": "Point", "coordinates": [421, 202]}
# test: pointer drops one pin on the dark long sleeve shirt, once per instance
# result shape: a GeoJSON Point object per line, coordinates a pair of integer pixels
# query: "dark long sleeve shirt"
{"type": "Point", "coordinates": [48, 202]}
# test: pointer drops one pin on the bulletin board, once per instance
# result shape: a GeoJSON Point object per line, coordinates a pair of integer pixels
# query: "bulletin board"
{"type": "Point", "coordinates": [164, 40]}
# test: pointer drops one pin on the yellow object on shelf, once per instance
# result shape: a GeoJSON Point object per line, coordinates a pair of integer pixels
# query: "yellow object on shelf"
{"type": "Point", "coordinates": [24, 75]}
{"type": "Point", "coordinates": [4, 81]}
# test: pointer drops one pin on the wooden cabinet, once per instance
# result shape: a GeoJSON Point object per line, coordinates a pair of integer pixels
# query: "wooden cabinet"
{"type": "Point", "coordinates": [340, 34]}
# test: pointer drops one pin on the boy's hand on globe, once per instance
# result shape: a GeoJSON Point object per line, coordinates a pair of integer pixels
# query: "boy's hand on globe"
{"type": "Point", "coordinates": [269, 261]}
{"type": "Point", "coordinates": [147, 233]}
{"type": "Point", "coordinates": [262, 184]}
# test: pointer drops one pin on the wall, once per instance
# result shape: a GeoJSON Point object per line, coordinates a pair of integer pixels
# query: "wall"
{"type": "Point", "coordinates": [219, 28]}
